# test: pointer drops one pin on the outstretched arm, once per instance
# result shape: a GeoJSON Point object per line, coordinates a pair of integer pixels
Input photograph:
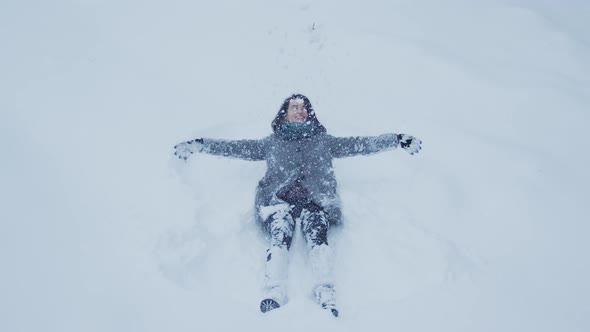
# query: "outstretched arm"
{"type": "Point", "coordinates": [352, 146]}
{"type": "Point", "coordinates": [242, 149]}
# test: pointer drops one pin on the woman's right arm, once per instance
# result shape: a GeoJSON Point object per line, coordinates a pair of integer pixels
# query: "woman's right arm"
{"type": "Point", "coordinates": [247, 149]}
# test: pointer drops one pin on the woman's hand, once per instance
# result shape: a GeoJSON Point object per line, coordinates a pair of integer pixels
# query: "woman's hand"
{"type": "Point", "coordinates": [185, 149]}
{"type": "Point", "coordinates": [409, 143]}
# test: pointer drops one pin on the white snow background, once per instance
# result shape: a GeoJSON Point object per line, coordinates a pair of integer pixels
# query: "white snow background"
{"type": "Point", "coordinates": [103, 230]}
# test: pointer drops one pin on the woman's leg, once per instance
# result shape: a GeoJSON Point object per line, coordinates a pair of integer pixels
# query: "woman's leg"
{"type": "Point", "coordinates": [315, 226]}
{"type": "Point", "coordinates": [281, 226]}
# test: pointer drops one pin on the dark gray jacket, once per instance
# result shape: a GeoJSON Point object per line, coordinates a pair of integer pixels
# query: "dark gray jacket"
{"type": "Point", "coordinates": [307, 161]}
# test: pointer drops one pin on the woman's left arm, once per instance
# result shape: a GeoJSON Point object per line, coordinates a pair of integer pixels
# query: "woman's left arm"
{"type": "Point", "coordinates": [351, 146]}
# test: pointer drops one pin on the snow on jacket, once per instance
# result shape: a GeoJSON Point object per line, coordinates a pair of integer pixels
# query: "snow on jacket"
{"type": "Point", "coordinates": [306, 161]}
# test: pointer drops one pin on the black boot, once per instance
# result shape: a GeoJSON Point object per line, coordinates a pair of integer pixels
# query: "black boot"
{"type": "Point", "coordinates": [270, 304]}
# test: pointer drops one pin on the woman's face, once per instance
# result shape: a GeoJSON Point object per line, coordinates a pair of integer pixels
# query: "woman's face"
{"type": "Point", "coordinates": [296, 111]}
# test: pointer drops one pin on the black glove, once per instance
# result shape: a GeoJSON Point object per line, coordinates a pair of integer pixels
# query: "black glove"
{"type": "Point", "coordinates": [409, 143]}
{"type": "Point", "coordinates": [185, 149]}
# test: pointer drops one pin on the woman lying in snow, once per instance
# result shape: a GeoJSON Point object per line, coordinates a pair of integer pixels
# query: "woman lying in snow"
{"type": "Point", "coordinates": [299, 183]}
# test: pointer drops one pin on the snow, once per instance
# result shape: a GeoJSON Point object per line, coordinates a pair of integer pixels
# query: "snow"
{"type": "Point", "coordinates": [483, 230]}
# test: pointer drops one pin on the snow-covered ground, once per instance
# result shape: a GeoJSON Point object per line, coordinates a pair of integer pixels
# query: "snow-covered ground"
{"type": "Point", "coordinates": [484, 230]}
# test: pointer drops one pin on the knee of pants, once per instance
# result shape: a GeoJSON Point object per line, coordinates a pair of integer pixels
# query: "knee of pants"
{"type": "Point", "coordinates": [281, 231]}
{"type": "Point", "coordinates": [315, 228]}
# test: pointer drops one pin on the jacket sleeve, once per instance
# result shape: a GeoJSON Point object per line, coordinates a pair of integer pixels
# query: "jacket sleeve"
{"type": "Point", "coordinates": [248, 149]}
{"type": "Point", "coordinates": [353, 146]}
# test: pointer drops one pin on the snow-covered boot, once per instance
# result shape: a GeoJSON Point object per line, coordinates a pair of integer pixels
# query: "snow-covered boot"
{"type": "Point", "coordinates": [321, 261]}
{"type": "Point", "coordinates": [276, 275]}
{"type": "Point", "coordinates": [326, 297]}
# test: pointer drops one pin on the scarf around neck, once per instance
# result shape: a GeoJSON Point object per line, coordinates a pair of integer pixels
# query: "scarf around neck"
{"type": "Point", "coordinates": [297, 130]}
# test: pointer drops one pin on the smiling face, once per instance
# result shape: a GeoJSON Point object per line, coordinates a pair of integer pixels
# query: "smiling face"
{"type": "Point", "coordinates": [296, 111]}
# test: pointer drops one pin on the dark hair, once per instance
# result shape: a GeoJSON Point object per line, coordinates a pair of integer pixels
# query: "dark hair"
{"type": "Point", "coordinates": [280, 117]}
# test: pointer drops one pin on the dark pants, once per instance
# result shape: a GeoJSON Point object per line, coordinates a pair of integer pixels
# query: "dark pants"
{"type": "Point", "coordinates": [314, 221]}
{"type": "Point", "coordinates": [314, 225]}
